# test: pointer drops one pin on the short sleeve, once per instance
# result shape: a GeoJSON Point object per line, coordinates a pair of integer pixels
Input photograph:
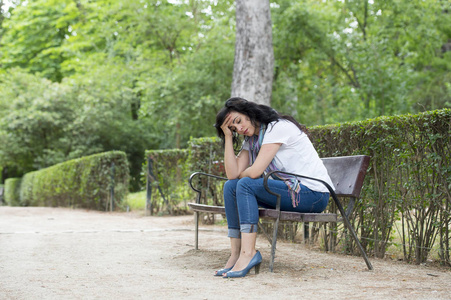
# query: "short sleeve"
{"type": "Point", "coordinates": [278, 132]}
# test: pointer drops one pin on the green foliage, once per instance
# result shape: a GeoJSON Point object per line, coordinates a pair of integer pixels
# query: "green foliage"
{"type": "Point", "coordinates": [136, 201]}
{"type": "Point", "coordinates": [45, 123]}
{"type": "Point", "coordinates": [351, 60]}
{"type": "Point", "coordinates": [409, 176]}
{"type": "Point", "coordinates": [84, 182]}
{"type": "Point", "coordinates": [168, 179]}
{"type": "Point", "coordinates": [170, 169]}
{"type": "Point", "coordinates": [42, 123]}
{"type": "Point", "coordinates": [135, 75]}
{"type": "Point", "coordinates": [193, 88]}
{"type": "Point", "coordinates": [132, 74]}
{"type": "Point", "coordinates": [12, 191]}
{"type": "Point", "coordinates": [206, 155]}
{"type": "Point", "coordinates": [35, 35]}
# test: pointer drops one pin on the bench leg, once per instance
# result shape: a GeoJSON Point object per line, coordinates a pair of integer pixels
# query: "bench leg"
{"type": "Point", "coordinates": [196, 234]}
{"type": "Point", "coordinates": [264, 231]}
{"type": "Point", "coordinates": [356, 239]}
{"type": "Point", "coordinates": [351, 229]}
{"type": "Point", "coordinates": [273, 246]}
{"type": "Point", "coordinates": [306, 232]}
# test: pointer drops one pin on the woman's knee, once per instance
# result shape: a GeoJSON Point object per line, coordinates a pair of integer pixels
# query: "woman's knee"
{"type": "Point", "coordinates": [248, 185]}
{"type": "Point", "coordinates": [230, 185]}
{"type": "Point", "coordinates": [244, 182]}
{"type": "Point", "coordinates": [234, 184]}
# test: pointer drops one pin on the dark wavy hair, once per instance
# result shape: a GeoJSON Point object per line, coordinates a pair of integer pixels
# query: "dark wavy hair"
{"type": "Point", "coordinates": [257, 113]}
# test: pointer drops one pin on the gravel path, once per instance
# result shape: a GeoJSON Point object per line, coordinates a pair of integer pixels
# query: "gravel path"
{"type": "Point", "coordinates": [58, 253]}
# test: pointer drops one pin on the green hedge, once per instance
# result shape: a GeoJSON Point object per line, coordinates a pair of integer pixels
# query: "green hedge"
{"type": "Point", "coordinates": [172, 168]}
{"type": "Point", "coordinates": [408, 183]}
{"type": "Point", "coordinates": [12, 191]}
{"type": "Point", "coordinates": [168, 181]}
{"type": "Point", "coordinates": [84, 183]}
{"type": "Point", "coordinates": [207, 155]}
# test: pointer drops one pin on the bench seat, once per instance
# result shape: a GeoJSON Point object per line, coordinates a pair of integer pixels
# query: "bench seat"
{"type": "Point", "coordinates": [272, 214]}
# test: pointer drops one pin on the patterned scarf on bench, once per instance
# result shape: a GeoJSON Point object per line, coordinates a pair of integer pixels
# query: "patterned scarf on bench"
{"type": "Point", "coordinates": [255, 143]}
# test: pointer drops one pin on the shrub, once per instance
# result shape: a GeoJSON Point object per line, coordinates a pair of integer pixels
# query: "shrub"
{"type": "Point", "coordinates": [12, 191]}
{"type": "Point", "coordinates": [207, 155]}
{"type": "Point", "coordinates": [85, 182]}
{"type": "Point", "coordinates": [168, 170]}
{"type": "Point", "coordinates": [409, 178]}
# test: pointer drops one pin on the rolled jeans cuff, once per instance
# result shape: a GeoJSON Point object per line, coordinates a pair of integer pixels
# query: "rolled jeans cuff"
{"type": "Point", "coordinates": [248, 228]}
{"type": "Point", "coordinates": [234, 233]}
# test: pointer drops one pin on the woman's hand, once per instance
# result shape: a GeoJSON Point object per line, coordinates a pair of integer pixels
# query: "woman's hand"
{"type": "Point", "coordinates": [226, 126]}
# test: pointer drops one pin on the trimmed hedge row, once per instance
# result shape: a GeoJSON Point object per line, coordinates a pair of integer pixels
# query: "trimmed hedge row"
{"type": "Point", "coordinates": [408, 184]}
{"type": "Point", "coordinates": [168, 178]}
{"type": "Point", "coordinates": [171, 168]}
{"type": "Point", "coordinates": [206, 155]}
{"type": "Point", "coordinates": [83, 183]}
{"type": "Point", "coordinates": [12, 191]}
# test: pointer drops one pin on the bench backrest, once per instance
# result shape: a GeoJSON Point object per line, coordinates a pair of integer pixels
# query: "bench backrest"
{"type": "Point", "coordinates": [347, 173]}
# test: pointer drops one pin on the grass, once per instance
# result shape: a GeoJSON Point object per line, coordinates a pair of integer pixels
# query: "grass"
{"type": "Point", "coordinates": [395, 248]}
{"type": "Point", "coordinates": [136, 201]}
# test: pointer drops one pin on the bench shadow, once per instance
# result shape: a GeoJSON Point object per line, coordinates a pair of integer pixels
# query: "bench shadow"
{"type": "Point", "coordinates": [215, 259]}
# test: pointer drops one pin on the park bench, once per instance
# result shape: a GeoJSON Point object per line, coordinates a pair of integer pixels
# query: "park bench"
{"type": "Point", "coordinates": [347, 174]}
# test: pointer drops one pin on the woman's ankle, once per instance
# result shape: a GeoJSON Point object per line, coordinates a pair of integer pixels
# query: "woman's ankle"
{"type": "Point", "coordinates": [248, 254]}
{"type": "Point", "coordinates": [232, 260]}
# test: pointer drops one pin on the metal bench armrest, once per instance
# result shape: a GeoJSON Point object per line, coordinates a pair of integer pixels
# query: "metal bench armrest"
{"type": "Point", "coordinates": [199, 192]}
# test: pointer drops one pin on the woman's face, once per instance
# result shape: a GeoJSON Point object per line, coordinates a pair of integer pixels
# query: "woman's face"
{"type": "Point", "coordinates": [242, 124]}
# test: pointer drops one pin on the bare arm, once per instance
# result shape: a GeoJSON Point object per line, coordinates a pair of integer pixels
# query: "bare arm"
{"type": "Point", "coordinates": [264, 158]}
{"type": "Point", "coordinates": [234, 165]}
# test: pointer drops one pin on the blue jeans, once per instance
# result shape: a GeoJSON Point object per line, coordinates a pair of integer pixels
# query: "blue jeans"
{"type": "Point", "coordinates": [242, 197]}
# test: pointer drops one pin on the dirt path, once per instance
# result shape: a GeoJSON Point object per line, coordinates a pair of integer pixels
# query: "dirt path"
{"type": "Point", "coordinates": [57, 253]}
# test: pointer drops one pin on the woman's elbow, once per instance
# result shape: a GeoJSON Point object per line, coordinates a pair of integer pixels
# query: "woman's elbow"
{"type": "Point", "coordinates": [255, 175]}
{"type": "Point", "coordinates": [232, 175]}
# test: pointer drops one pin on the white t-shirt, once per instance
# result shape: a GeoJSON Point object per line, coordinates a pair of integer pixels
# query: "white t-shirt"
{"type": "Point", "coordinates": [296, 154]}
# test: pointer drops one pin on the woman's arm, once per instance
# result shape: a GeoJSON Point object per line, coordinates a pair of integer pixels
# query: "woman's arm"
{"type": "Point", "coordinates": [264, 158]}
{"type": "Point", "coordinates": [234, 165]}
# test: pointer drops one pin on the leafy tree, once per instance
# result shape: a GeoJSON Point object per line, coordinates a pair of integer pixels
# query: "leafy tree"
{"type": "Point", "coordinates": [350, 60]}
{"type": "Point", "coordinates": [87, 76]}
{"type": "Point", "coordinates": [34, 36]}
{"type": "Point", "coordinates": [185, 99]}
{"type": "Point", "coordinates": [40, 125]}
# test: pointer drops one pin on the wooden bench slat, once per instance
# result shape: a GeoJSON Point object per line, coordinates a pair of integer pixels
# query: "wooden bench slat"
{"type": "Point", "coordinates": [298, 217]}
{"type": "Point", "coordinates": [271, 213]}
{"type": "Point", "coordinates": [207, 208]}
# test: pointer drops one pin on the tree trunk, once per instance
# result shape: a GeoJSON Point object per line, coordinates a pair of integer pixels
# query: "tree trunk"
{"type": "Point", "coordinates": [254, 54]}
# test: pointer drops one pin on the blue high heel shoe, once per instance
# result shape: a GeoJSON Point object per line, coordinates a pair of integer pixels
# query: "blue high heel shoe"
{"type": "Point", "coordinates": [255, 262]}
{"type": "Point", "coordinates": [222, 271]}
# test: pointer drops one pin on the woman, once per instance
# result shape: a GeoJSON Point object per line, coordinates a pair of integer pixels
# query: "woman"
{"type": "Point", "coordinates": [271, 142]}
